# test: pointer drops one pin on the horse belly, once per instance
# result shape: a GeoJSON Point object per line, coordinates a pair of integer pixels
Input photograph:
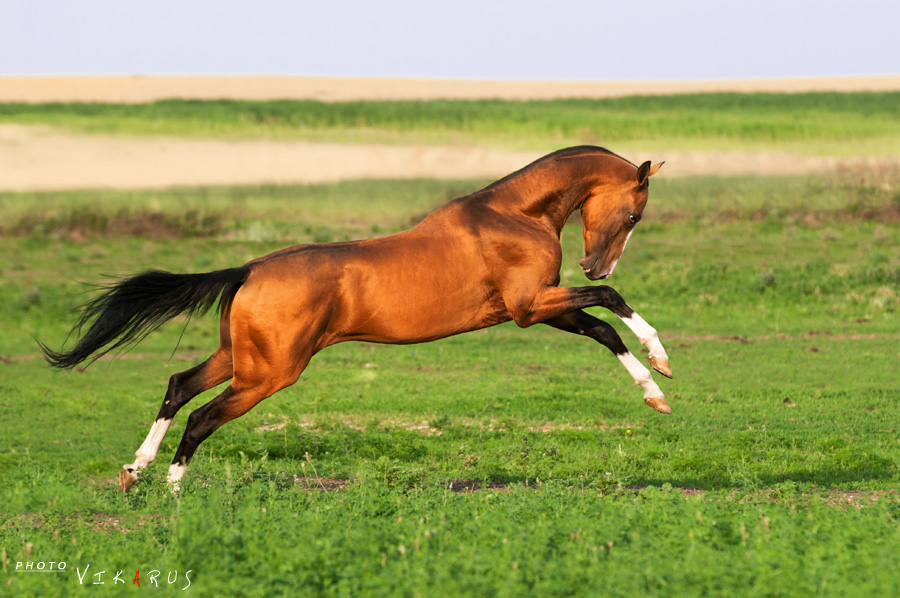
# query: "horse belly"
{"type": "Point", "coordinates": [412, 307]}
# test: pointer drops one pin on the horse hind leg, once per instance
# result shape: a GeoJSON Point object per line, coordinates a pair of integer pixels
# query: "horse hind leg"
{"type": "Point", "coordinates": [183, 387]}
{"type": "Point", "coordinates": [271, 346]}
{"type": "Point", "coordinates": [235, 401]}
{"type": "Point", "coordinates": [264, 370]}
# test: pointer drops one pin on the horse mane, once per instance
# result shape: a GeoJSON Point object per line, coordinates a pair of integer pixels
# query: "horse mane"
{"type": "Point", "coordinates": [563, 154]}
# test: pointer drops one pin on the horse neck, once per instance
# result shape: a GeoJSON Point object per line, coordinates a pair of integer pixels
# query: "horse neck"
{"type": "Point", "coordinates": [550, 193]}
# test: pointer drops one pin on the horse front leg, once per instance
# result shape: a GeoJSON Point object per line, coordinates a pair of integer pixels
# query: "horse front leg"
{"type": "Point", "coordinates": [551, 302]}
{"type": "Point", "coordinates": [579, 322]}
{"type": "Point", "coordinates": [645, 333]}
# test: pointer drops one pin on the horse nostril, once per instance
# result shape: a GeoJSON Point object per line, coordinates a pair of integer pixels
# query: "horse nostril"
{"type": "Point", "coordinates": [587, 263]}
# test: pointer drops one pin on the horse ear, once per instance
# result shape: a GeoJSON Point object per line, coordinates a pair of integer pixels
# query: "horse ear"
{"type": "Point", "coordinates": [642, 173]}
{"type": "Point", "coordinates": [646, 171]}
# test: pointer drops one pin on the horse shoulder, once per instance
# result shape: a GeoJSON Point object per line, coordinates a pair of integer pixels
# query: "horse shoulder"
{"type": "Point", "coordinates": [513, 246]}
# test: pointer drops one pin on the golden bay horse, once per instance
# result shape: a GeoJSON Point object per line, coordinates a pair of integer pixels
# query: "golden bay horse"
{"type": "Point", "coordinates": [490, 257]}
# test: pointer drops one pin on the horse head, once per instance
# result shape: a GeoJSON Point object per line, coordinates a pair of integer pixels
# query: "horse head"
{"type": "Point", "coordinates": [609, 214]}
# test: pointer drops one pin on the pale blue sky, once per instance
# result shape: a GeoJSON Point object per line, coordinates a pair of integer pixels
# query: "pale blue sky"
{"type": "Point", "coordinates": [504, 39]}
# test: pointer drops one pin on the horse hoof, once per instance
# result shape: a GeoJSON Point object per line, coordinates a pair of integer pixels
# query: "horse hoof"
{"type": "Point", "coordinates": [661, 365]}
{"type": "Point", "coordinates": [126, 479]}
{"type": "Point", "coordinates": [659, 404]}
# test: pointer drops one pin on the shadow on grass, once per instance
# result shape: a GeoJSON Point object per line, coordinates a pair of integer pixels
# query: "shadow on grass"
{"type": "Point", "coordinates": [876, 468]}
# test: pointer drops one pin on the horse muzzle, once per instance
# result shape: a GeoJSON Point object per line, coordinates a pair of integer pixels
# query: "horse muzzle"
{"type": "Point", "coordinates": [591, 271]}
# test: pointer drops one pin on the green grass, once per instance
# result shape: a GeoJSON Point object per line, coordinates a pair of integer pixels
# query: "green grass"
{"type": "Point", "coordinates": [354, 209]}
{"type": "Point", "coordinates": [778, 474]}
{"type": "Point", "coordinates": [816, 123]}
{"type": "Point", "coordinates": [320, 213]}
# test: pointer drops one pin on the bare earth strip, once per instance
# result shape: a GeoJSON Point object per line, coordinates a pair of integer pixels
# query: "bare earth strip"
{"type": "Point", "coordinates": [150, 88]}
{"type": "Point", "coordinates": [40, 158]}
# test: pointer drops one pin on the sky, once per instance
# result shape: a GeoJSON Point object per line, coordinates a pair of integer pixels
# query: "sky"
{"type": "Point", "coordinates": [470, 39]}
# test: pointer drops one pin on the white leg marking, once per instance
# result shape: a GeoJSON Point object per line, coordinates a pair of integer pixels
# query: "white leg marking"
{"type": "Point", "coordinates": [647, 335]}
{"type": "Point", "coordinates": [641, 375]}
{"type": "Point", "coordinates": [150, 448]}
{"type": "Point", "coordinates": [176, 471]}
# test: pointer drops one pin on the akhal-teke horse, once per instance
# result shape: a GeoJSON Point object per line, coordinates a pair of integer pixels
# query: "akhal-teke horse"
{"type": "Point", "coordinates": [480, 260]}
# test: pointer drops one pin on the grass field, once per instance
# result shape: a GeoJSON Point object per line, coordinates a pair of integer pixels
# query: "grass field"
{"type": "Point", "coordinates": [506, 462]}
{"type": "Point", "coordinates": [840, 124]}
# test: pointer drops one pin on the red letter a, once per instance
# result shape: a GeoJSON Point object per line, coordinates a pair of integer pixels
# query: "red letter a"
{"type": "Point", "coordinates": [137, 578]}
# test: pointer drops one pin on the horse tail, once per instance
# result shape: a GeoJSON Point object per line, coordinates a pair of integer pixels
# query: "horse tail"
{"type": "Point", "coordinates": [130, 309]}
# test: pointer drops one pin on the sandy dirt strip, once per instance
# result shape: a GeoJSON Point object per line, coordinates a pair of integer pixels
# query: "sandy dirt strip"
{"type": "Point", "coordinates": [35, 158]}
{"type": "Point", "coordinates": [40, 158]}
{"type": "Point", "coordinates": [150, 88]}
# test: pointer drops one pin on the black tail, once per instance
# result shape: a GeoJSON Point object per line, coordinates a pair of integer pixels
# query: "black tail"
{"type": "Point", "coordinates": [131, 309]}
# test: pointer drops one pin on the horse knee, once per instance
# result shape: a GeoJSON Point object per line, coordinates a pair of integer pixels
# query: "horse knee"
{"type": "Point", "coordinates": [613, 301]}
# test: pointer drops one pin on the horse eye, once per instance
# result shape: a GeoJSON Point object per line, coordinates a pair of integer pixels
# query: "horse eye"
{"type": "Point", "coordinates": [632, 218]}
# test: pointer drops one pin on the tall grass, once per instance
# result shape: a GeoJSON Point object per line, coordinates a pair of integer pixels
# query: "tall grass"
{"type": "Point", "coordinates": [839, 123]}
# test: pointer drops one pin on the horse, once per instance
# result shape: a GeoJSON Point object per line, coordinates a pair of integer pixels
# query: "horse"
{"type": "Point", "coordinates": [480, 260]}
